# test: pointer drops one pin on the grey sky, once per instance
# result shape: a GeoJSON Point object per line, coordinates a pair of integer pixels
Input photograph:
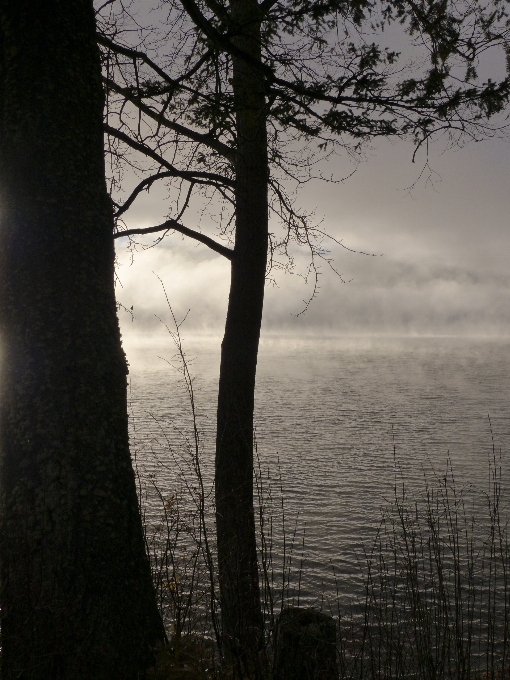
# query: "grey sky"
{"type": "Point", "coordinates": [442, 253]}
{"type": "Point", "coordinates": [442, 249]}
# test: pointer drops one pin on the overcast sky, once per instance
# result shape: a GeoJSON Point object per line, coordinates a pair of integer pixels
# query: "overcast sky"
{"type": "Point", "coordinates": [441, 263]}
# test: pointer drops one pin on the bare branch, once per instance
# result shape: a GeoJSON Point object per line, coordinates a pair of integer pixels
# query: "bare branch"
{"type": "Point", "coordinates": [173, 225]}
{"type": "Point", "coordinates": [144, 184]}
{"type": "Point", "coordinates": [160, 119]}
{"type": "Point", "coordinates": [209, 178]}
{"type": "Point", "coordinates": [137, 54]}
{"type": "Point", "coordinates": [105, 4]}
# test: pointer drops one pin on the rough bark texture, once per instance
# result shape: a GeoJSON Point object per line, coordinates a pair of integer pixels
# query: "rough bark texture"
{"type": "Point", "coordinates": [237, 559]}
{"type": "Point", "coordinates": [76, 594]}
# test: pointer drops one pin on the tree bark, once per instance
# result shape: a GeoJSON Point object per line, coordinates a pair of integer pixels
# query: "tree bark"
{"type": "Point", "coordinates": [237, 556]}
{"type": "Point", "coordinates": [76, 593]}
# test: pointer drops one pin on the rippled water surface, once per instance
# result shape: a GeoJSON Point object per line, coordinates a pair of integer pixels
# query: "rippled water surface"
{"type": "Point", "coordinates": [337, 417]}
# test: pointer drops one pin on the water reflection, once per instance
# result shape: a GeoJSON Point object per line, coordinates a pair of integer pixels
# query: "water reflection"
{"type": "Point", "coordinates": [340, 420]}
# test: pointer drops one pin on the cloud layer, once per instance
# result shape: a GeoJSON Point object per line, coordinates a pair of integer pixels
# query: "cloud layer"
{"type": "Point", "coordinates": [440, 265]}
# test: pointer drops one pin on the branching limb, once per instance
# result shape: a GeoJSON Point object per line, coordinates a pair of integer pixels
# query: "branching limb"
{"type": "Point", "coordinates": [220, 39]}
{"type": "Point", "coordinates": [173, 225]}
{"type": "Point", "coordinates": [144, 184]}
{"type": "Point", "coordinates": [209, 178]}
{"type": "Point", "coordinates": [138, 55]}
{"type": "Point", "coordinates": [218, 9]}
{"type": "Point", "coordinates": [161, 120]}
{"type": "Point", "coordinates": [267, 5]}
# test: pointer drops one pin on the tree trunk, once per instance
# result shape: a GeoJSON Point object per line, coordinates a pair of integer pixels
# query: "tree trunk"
{"type": "Point", "coordinates": [76, 593]}
{"type": "Point", "coordinates": [237, 556]}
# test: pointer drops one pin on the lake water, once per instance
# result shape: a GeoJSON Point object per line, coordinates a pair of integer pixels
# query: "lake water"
{"type": "Point", "coordinates": [337, 418]}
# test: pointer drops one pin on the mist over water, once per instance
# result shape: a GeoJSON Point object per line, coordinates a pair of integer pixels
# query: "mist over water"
{"type": "Point", "coordinates": [340, 419]}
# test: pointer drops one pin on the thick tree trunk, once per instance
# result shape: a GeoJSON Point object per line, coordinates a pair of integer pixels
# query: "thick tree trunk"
{"type": "Point", "coordinates": [76, 594]}
{"type": "Point", "coordinates": [237, 557]}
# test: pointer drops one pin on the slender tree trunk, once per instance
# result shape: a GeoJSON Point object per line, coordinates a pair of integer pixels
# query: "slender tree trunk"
{"type": "Point", "coordinates": [237, 557]}
{"type": "Point", "coordinates": [76, 593]}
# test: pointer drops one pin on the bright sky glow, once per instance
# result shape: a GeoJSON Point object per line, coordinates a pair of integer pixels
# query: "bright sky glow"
{"type": "Point", "coordinates": [442, 251]}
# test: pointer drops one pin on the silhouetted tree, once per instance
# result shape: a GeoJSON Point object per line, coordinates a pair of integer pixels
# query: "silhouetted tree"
{"type": "Point", "coordinates": [77, 600]}
{"type": "Point", "coordinates": [233, 98]}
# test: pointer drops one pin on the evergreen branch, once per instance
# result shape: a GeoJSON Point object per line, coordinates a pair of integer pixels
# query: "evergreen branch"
{"type": "Point", "coordinates": [491, 97]}
{"type": "Point", "coordinates": [218, 9]}
{"type": "Point", "coordinates": [222, 40]}
{"type": "Point", "coordinates": [267, 5]}
{"type": "Point", "coordinates": [419, 104]}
